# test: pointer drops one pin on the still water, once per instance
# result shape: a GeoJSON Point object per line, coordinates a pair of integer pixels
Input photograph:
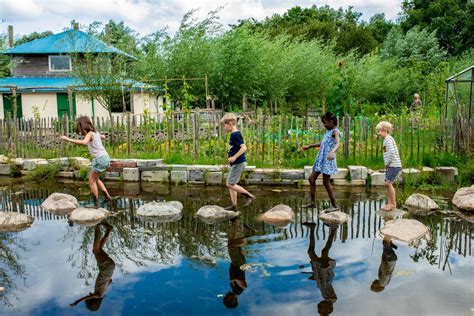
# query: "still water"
{"type": "Point", "coordinates": [130, 266]}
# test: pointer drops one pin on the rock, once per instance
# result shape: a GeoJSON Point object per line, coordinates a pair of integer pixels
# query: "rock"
{"type": "Point", "coordinates": [334, 218]}
{"type": "Point", "coordinates": [87, 216]}
{"type": "Point", "coordinates": [5, 169]}
{"type": "Point", "coordinates": [420, 204]}
{"type": "Point", "coordinates": [161, 211]}
{"type": "Point", "coordinates": [342, 173]}
{"type": "Point", "coordinates": [406, 230]}
{"type": "Point", "coordinates": [214, 178]}
{"type": "Point", "coordinates": [408, 171]}
{"type": "Point", "coordinates": [279, 215]}
{"type": "Point", "coordinates": [155, 176]}
{"type": "Point", "coordinates": [427, 169]}
{"type": "Point", "coordinates": [131, 174]}
{"type": "Point", "coordinates": [447, 174]}
{"type": "Point", "coordinates": [14, 222]}
{"type": "Point", "coordinates": [388, 215]}
{"type": "Point", "coordinates": [463, 199]}
{"type": "Point", "coordinates": [60, 203]}
{"type": "Point", "coordinates": [358, 172]}
{"type": "Point", "coordinates": [353, 182]}
{"type": "Point", "coordinates": [468, 217]}
{"type": "Point", "coordinates": [377, 178]}
{"type": "Point", "coordinates": [179, 177]}
{"type": "Point", "coordinates": [211, 214]}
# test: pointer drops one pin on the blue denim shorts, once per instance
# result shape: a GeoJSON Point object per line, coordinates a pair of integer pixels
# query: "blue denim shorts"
{"type": "Point", "coordinates": [392, 173]}
{"type": "Point", "coordinates": [100, 164]}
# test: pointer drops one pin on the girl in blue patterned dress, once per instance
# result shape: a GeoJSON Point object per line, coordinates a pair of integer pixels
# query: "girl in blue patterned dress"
{"type": "Point", "coordinates": [325, 162]}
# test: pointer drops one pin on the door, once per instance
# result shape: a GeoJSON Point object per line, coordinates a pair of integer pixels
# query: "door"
{"type": "Point", "coordinates": [63, 104]}
{"type": "Point", "coordinates": [8, 105]}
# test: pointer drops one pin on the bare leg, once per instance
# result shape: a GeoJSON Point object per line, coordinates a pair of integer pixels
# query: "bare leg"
{"type": "Point", "coordinates": [391, 203]}
{"type": "Point", "coordinates": [312, 188]}
{"type": "Point", "coordinates": [237, 188]}
{"type": "Point", "coordinates": [328, 186]}
{"type": "Point", "coordinates": [102, 187]}
{"type": "Point", "coordinates": [233, 197]}
{"type": "Point", "coordinates": [93, 176]}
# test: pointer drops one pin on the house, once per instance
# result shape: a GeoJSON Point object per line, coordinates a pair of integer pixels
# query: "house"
{"type": "Point", "coordinates": [42, 75]}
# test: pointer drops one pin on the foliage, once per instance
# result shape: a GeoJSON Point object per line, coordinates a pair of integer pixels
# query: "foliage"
{"type": "Point", "coordinates": [451, 19]}
{"type": "Point", "coordinates": [46, 172]}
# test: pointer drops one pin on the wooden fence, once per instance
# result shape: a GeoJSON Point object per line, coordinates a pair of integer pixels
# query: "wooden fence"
{"type": "Point", "coordinates": [197, 136]}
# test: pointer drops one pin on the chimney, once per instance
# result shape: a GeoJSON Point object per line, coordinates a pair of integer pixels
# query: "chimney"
{"type": "Point", "coordinates": [10, 36]}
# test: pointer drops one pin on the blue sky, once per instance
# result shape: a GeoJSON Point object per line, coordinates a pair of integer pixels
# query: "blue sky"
{"type": "Point", "coordinates": [147, 16]}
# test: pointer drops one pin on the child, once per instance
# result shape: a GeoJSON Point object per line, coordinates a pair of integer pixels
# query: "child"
{"type": "Point", "coordinates": [325, 162]}
{"type": "Point", "coordinates": [100, 161]}
{"type": "Point", "coordinates": [393, 164]}
{"type": "Point", "coordinates": [236, 159]}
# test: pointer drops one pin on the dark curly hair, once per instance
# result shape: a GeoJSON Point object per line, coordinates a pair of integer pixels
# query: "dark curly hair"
{"type": "Point", "coordinates": [328, 117]}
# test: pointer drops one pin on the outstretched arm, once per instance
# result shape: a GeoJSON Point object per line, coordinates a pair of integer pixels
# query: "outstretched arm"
{"type": "Point", "coordinates": [83, 142]}
{"type": "Point", "coordinates": [304, 148]}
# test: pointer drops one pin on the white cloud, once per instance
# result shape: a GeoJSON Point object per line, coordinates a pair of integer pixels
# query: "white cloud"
{"type": "Point", "coordinates": [147, 16]}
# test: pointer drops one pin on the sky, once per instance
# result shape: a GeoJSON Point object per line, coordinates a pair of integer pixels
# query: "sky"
{"type": "Point", "coordinates": [148, 16]}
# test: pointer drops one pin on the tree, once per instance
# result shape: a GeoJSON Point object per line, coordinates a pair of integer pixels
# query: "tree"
{"type": "Point", "coordinates": [451, 19]}
{"type": "Point", "coordinates": [4, 59]}
{"type": "Point", "coordinates": [418, 47]}
{"type": "Point", "coordinates": [31, 37]}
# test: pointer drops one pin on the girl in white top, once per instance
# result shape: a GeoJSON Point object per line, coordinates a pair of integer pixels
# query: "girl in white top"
{"type": "Point", "coordinates": [393, 164]}
{"type": "Point", "coordinates": [100, 161]}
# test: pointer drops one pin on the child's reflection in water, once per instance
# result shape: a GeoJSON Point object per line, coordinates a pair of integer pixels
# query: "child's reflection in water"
{"type": "Point", "coordinates": [323, 269]}
{"type": "Point", "coordinates": [237, 259]}
{"type": "Point", "coordinates": [387, 265]}
{"type": "Point", "coordinates": [106, 269]}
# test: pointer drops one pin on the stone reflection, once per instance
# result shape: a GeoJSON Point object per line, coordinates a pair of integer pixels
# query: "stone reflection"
{"type": "Point", "coordinates": [106, 267]}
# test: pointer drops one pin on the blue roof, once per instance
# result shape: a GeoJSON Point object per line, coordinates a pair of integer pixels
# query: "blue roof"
{"type": "Point", "coordinates": [70, 41]}
{"type": "Point", "coordinates": [41, 84]}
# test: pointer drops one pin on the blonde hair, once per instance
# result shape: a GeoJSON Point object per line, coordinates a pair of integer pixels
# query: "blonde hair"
{"type": "Point", "coordinates": [229, 118]}
{"type": "Point", "coordinates": [386, 126]}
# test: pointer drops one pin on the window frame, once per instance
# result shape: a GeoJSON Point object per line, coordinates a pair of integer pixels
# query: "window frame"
{"type": "Point", "coordinates": [59, 70]}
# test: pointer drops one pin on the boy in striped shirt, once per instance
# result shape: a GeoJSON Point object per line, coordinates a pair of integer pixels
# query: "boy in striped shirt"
{"type": "Point", "coordinates": [393, 164]}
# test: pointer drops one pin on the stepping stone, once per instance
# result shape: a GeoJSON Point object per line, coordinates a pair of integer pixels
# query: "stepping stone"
{"type": "Point", "coordinates": [395, 213]}
{"type": "Point", "coordinates": [406, 230]}
{"type": "Point", "coordinates": [279, 215]}
{"type": "Point", "coordinates": [14, 222]}
{"type": "Point", "coordinates": [87, 216]}
{"type": "Point", "coordinates": [463, 199]}
{"type": "Point", "coordinates": [211, 214]}
{"type": "Point", "coordinates": [420, 204]}
{"type": "Point", "coordinates": [161, 212]}
{"type": "Point", "coordinates": [60, 203]}
{"type": "Point", "coordinates": [333, 218]}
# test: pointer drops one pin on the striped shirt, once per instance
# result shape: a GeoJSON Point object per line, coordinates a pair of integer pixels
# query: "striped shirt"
{"type": "Point", "coordinates": [391, 158]}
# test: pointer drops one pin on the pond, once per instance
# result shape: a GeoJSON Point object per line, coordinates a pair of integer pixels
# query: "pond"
{"type": "Point", "coordinates": [187, 267]}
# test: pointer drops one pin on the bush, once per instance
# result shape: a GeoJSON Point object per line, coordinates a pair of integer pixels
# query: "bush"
{"type": "Point", "coordinates": [41, 173]}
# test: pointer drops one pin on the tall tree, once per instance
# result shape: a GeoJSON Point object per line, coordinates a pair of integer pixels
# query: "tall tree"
{"type": "Point", "coordinates": [451, 19]}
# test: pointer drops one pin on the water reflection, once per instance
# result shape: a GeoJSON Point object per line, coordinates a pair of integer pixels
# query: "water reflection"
{"type": "Point", "coordinates": [323, 269]}
{"type": "Point", "coordinates": [190, 251]}
{"type": "Point", "coordinates": [106, 267]}
{"type": "Point", "coordinates": [237, 280]}
{"type": "Point", "coordinates": [387, 265]}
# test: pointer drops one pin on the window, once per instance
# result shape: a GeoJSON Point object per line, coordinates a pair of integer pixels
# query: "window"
{"type": "Point", "coordinates": [59, 63]}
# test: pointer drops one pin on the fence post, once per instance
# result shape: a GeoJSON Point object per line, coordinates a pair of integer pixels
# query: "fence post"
{"type": "Point", "coordinates": [129, 142]}
{"type": "Point", "coordinates": [347, 136]}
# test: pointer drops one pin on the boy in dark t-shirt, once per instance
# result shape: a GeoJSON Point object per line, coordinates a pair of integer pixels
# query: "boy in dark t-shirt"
{"type": "Point", "coordinates": [236, 159]}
